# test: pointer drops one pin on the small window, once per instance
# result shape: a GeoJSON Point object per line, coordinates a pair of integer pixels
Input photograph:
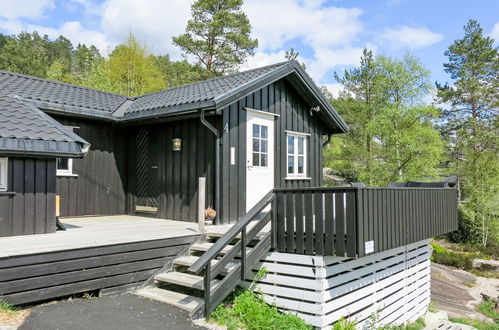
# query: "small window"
{"type": "Point", "coordinates": [4, 162]}
{"type": "Point", "coordinates": [260, 145]}
{"type": "Point", "coordinates": [64, 166]}
{"type": "Point", "coordinates": [297, 155]}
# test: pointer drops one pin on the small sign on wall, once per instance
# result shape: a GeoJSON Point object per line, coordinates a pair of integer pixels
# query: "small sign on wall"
{"type": "Point", "coordinates": [369, 247]}
{"type": "Point", "coordinates": [232, 156]}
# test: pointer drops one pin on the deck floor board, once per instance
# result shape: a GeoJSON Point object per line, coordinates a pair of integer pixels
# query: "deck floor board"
{"type": "Point", "coordinates": [85, 232]}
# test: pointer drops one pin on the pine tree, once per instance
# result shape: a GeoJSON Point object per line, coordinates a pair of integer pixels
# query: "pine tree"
{"type": "Point", "coordinates": [218, 35]}
{"type": "Point", "coordinates": [470, 127]}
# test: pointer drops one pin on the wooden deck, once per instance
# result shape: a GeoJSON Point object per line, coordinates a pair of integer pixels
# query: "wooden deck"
{"type": "Point", "coordinates": [94, 253]}
{"type": "Point", "coordinates": [85, 232]}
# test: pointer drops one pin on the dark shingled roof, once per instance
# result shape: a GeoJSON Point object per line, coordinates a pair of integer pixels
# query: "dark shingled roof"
{"type": "Point", "coordinates": [28, 130]}
{"type": "Point", "coordinates": [201, 91]}
{"type": "Point", "coordinates": [214, 93]}
{"type": "Point", "coordinates": [51, 91]}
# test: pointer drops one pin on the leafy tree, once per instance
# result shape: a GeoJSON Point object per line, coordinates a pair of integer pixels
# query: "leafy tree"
{"type": "Point", "coordinates": [470, 128]}
{"type": "Point", "coordinates": [391, 136]}
{"type": "Point", "coordinates": [25, 54]}
{"type": "Point", "coordinates": [218, 35]}
{"type": "Point", "coordinates": [130, 70]}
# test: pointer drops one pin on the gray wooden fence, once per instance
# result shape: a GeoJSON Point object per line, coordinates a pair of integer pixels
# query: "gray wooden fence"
{"type": "Point", "coordinates": [353, 222]}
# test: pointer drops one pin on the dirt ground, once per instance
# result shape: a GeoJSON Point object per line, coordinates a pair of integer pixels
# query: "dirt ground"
{"type": "Point", "coordinates": [12, 319]}
{"type": "Point", "coordinates": [458, 292]}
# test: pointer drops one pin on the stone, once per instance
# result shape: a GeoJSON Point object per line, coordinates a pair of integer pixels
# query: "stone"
{"type": "Point", "coordinates": [431, 318]}
{"type": "Point", "coordinates": [486, 264]}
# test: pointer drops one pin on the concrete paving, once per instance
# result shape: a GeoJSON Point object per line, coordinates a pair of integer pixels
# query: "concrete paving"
{"type": "Point", "coordinates": [109, 313]}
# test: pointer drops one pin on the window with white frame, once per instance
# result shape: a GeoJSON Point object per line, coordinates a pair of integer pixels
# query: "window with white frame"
{"type": "Point", "coordinates": [260, 145]}
{"type": "Point", "coordinates": [4, 163]}
{"type": "Point", "coordinates": [64, 166]}
{"type": "Point", "coordinates": [297, 155]}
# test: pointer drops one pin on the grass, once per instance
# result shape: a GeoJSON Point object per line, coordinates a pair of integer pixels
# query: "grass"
{"type": "Point", "coordinates": [485, 273]}
{"type": "Point", "coordinates": [416, 325]}
{"type": "Point", "coordinates": [478, 324]}
{"type": "Point", "coordinates": [487, 308]}
{"type": "Point", "coordinates": [247, 310]}
{"type": "Point", "coordinates": [6, 307]}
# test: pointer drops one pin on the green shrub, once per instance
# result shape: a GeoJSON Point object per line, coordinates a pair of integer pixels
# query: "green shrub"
{"type": "Point", "coordinates": [343, 324]}
{"type": "Point", "coordinates": [448, 257]}
{"type": "Point", "coordinates": [249, 311]}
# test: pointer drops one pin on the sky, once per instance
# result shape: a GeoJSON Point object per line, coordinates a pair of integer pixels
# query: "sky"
{"type": "Point", "coordinates": [329, 35]}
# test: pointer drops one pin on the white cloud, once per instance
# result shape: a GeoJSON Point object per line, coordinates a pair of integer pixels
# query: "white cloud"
{"type": "Point", "coordinates": [334, 89]}
{"type": "Point", "coordinates": [12, 9]}
{"type": "Point", "coordinates": [262, 59]}
{"type": "Point", "coordinates": [278, 21]}
{"type": "Point", "coordinates": [326, 59]}
{"type": "Point", "coordinates": [495, 32]}
{"type": "Point", "coordinates": [154, 22]}
{"type": "Point", "coordinates": [410, 37]}
{"type": "Point", "coordinates": [329, 32]}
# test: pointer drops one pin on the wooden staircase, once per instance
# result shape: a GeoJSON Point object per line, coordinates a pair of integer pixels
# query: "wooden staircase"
{"type": "Point", "coordinates": [214, 267]}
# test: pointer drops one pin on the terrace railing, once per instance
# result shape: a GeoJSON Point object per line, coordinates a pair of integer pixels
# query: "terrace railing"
{"type": "Point", "coordinates": [352, 222]}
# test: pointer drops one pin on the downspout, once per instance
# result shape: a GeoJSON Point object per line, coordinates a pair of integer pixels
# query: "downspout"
{"type": "Point", "coordinates": [325, 143]}
{"type": "Point", "coordinates": [218, 142]}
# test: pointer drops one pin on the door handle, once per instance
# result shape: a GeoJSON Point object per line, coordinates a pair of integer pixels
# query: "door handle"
{"type": "Point", "coordinates": [250, 167]}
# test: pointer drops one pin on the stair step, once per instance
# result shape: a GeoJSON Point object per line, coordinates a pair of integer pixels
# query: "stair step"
{"type": "Point", "coordinates": [218, 234]}
{"type": "Point", "coordinates": [184, 279]}
{"type": "Point", "coordinates": [187, 261]}
{"type": "Point", "coordinates": [180, 300]}
{"type": "Point", "coordinates": [203, 247]}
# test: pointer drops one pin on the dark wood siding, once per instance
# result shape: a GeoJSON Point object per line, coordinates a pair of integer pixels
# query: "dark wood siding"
{"type": "Point", "coordinates": [294, 115]}
{"type": "Point", "coordinates": [178, 171]}
{"type": "Point", "coordinates": [29, 205]}
{"type": "Point", "coordinates": [33, 278]}
{"type": "Point", "coordinates": [100, 184]}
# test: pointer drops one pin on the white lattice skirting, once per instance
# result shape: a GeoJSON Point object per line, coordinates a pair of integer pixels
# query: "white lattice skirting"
{"type": "Point", "coordinates": [391, 286]}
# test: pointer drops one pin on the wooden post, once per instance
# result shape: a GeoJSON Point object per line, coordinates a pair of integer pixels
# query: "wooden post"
{"type": "Point", "coordinates": [201, 204]}
{"type": "Point", "coordinates": [57, 205]}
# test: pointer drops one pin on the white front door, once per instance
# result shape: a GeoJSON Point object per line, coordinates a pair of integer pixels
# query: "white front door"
{"type": "Point", "coordinates": [260, 156]}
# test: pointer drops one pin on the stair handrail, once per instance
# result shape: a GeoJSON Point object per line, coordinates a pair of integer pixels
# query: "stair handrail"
{"type": "Point", "coordinates": [235, 230]}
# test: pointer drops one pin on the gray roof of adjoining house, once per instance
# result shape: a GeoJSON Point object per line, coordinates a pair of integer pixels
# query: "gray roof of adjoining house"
{"type": "Point", "coordinates": [56, 92]}
{"type": "Point", "coordinates": [214, 93]}
{"type": "Point", "coordinates": [25, 129]}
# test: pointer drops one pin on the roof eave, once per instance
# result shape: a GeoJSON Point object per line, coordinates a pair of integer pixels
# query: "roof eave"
{"type": "Point", "coordinates": [26, 147]}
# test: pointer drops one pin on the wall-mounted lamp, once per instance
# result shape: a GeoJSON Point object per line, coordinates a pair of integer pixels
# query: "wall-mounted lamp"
{"type": "Point", "coordinates": [177, 144]}
{"type": "Point", "coordinates": [314, 109]}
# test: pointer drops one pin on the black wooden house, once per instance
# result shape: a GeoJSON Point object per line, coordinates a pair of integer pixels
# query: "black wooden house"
{"type": "Point", "coordinates": [247, 133]}
{"type": "Point", "coordinates": [257, 138]}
